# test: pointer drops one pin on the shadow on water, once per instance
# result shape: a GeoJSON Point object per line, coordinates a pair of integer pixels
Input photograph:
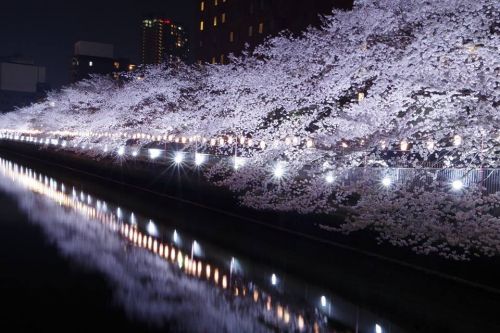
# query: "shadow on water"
{"type": "Point", "coordinates": [187, 269]}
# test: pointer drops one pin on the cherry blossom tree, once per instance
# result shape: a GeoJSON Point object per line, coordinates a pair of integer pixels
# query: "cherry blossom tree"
{"type": "Point", "coordinates": [394, 83]}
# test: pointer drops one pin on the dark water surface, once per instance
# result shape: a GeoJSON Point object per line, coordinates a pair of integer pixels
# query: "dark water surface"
{"type": "Point", "coordinates": [79, 256]}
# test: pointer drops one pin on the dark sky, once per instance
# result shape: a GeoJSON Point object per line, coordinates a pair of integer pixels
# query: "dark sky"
{"type": "Point", "coordinates": [46, 30]}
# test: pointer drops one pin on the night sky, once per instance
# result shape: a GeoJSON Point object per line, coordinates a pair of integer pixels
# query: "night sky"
{"type": "Point", "coordinates": [47, 30]}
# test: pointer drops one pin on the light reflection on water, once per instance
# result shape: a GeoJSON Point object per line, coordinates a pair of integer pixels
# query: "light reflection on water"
{"type": "Point", "coordinates": [162, 276]}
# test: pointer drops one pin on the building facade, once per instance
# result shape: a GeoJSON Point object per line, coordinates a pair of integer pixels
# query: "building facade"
{"type": "Point", "coordinates": [163, 41]}
{"type": "Point", "coordinates": [227, 26]}
{"type": "Point", "coordinates": [21, 83]}
{"type": "Point", "coordinates": [96, 58]}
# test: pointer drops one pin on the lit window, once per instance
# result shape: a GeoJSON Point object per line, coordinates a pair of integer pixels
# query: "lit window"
{"type": "Point", "coordinates": [216, 2]}
{"type": "Point", "coordinates": [223, 18]}
{"type": "Point", "coordinates": [261, 28]}
{"type": "Point", "coordinates": [222, 58]}
{"type": "Point", "coordinates": [231, 36]}
{"type": "Point", "coordinates": [201, 25]}
{"type": "Point", "coordinates": [91, 64]}
{"type": "Point", "coordinates": [250, 31]}
{"type": "Point", "coordinates": [215, 21]}
{"type": "Point", "coordinates": [202, 6]}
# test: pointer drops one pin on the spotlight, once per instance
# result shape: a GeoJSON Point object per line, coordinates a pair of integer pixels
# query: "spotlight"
{"type": "Point", "coordinates": [199, 159]}
{"type": "Point", "coordinates": [176, 238]}
{"type": "Point", "coordinates": [457, 185]}
{"type": "Point", "coordinates": [152, 229]}
{"type": "Point", "coordinates": [154, 153]}
{"type": "Point", "coordinates": [274, 279]}
{"type": "Point", "coordinates": [329, 178]}
{"type": "Point", "coordinates": [121, 151]}
{"type": "Point", "coordinates": [178, 158]}
{"type": "Point", "coordinates": [279, 171]}
{"type": "Point", "coordinates": [386, 181]}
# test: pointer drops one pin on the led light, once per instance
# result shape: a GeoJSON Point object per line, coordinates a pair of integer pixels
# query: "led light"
{"type": "Point", "coordinates": [178, 157]}
{"type": "Point", "coordinates": [378, 328]}
{"type": "Point", "coordinates": [274, 279]}
{"type": "Point", "coordinates": [386, 181]}
{"type": "Point", "coordinates": [135, 153]}
{"type": "Point", "coordinates": [329, 178]}
{"type": "Point", "coordinates": [121, 151]}
{"type": "Point", "coordinates": [279, 171]}
{"type": "Point", "coordinates": [457, 185]}
{"type": "Point", "coordinates": [176, 237]}
{"type": "Point", "coordinates": [323, 301]}
{"type": "Point", "coordinates": [199, 159]}
{"type": "Point", "coordinates": [196, 249]}
{"type": "Point", "coordinates": [457, 140]}
{"type": "Point", "coordinates": [154, 153]}
{"type": "Point", "coordinates": [152, 229]}
{"type": "Point", "coordinates": [238, 162]}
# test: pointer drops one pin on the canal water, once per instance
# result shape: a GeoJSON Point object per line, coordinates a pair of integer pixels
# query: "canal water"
{"type": "Point", "coordinates": [80, 256]}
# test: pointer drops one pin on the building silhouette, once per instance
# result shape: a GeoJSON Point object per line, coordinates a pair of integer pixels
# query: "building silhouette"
{"type": "Point", "coordinates": [21, 82]}
{"type": "Point", "coordinates": [96, 58]}
{"type": "Point", "coordinates": [163, 41]}
{"type": "Point", "coordinates": [227, 26]}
